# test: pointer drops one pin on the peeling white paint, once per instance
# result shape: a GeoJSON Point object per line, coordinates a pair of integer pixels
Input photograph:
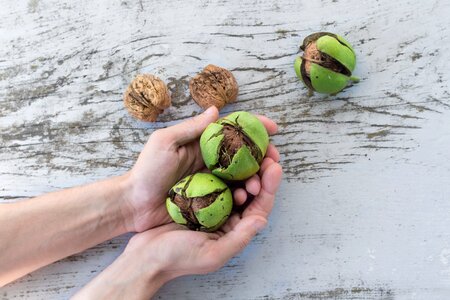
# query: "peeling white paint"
{"type": "Point", "coordinates": [363, 210]}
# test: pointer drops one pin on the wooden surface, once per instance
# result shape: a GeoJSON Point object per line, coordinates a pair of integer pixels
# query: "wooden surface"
{"type": "Point", "coordinates": [364, 209]}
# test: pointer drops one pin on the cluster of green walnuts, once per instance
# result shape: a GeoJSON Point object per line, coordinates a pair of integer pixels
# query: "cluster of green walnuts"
{"type": "Point", "coordinates": [234, 146]}
{"type": "Point", "coordinates": [233, 149]}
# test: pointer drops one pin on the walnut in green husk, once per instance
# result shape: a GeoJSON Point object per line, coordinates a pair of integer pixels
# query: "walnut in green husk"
{"type": "Point", "coordinates": [234, 146]}
{"type": "Point", "coordinates": [327, 63]}
{"type": "Point", "coordinates": [200, 201]}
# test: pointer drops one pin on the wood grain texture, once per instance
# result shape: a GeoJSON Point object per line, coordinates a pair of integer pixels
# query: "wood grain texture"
{"type": "Point", "coordinates": [363, 212]}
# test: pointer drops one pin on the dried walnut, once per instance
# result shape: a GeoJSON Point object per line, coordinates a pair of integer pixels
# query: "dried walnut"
{"type": "Point", "coordinates": [214, 86]}
{"type": "Point", "coordinates": [146, 97]}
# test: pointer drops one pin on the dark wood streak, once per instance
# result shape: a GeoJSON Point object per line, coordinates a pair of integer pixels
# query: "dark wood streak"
{"type": "Point", "coordinates": [64, 66]}
{"type": "Point", "coordinates": [384, 293]}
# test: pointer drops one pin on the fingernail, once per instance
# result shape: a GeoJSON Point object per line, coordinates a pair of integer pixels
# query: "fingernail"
{"type": "Point", "coordinates": [259, 225]}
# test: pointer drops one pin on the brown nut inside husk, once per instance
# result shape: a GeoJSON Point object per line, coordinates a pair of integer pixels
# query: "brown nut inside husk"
{"type": "Point", "coordinates": [233, 139]}
{"type": "Point", "coordinates": [234, 146]}
{"type": "Point", "coordinates": [146, 97]}
{"type": "Point", "coordinates": [214, 86]}
{"type": "Point", "coordinates": [189, 206]}
{"type": "Point", "coordinates": [313, 55]}
{"type": "Point", "coordinates": [200, 201]}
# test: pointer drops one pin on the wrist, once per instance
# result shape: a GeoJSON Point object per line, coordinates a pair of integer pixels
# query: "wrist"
{"type": "Point", "coordinates": [128, 277]}
{"type": "Point", "coordinates": [148, 272]}
{"type": "Point", "coordinates": [141, 208]}
{"type": "Point", "coordinates": [127, 194]}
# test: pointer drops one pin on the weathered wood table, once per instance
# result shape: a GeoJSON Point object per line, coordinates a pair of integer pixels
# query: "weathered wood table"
{"type": "Point", "coordinates": [364, 209]}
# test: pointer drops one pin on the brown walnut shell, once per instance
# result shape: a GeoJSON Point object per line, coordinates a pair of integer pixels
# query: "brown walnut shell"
{"type": "Point", "coordinates": [214, 86]}
{"type": "Point", "coordinates": [146, 97]}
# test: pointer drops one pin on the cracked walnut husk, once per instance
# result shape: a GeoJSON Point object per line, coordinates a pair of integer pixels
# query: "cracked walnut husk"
{"type": "Point", "coordinates": [233, 147]}
{"type": "Point", "coordinates": [214, 86]}
{"type": "Point", "coordinates": [146, 97]}
{"type": "Point", "coordinates": [200, 201]}
{"type": "Point", "coordinates": [327, 63]}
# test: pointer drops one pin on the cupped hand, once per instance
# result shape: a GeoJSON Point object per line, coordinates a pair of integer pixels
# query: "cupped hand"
{"type": "Point", "coordinates": [177, 251]}
{"type": "Point", "coordinates": [169, 155]}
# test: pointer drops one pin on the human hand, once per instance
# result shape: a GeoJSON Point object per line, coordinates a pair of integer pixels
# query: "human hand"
{"type": "Point", "coordinates": [158, 255]}
{"type": "Point", "coordinates": [169, 155]}
{"type": "Point", "coordinates": [177, 251]}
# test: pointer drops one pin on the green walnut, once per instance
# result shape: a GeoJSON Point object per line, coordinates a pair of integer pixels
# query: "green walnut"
{"type": "Point", "coordinates": [200, 201]}
{"type": "Point", "coordinates": [327, 63]}
{"type": "Point", "coordinates": [234, 146]}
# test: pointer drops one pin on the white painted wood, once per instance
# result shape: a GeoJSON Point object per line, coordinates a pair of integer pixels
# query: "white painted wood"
{"type": "Point", "coordinates": [364, 210]}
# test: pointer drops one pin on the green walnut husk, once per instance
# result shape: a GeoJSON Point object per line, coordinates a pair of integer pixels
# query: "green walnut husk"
{"type": "Point", "coordinates": [200, 201]}
{"type": "Point", "coordinates": [234, 146]}
{"type": "Point", "coordinates": [327, 63]}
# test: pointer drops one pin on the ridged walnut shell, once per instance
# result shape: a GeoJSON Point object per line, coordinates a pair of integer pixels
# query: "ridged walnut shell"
{"type": "Point", "coordinates": [214, 86]}
{"type": "Point", "coordinates": [146, 97]}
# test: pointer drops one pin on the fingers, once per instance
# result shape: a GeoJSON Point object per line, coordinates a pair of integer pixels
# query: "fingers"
{"type": "Point", "coordinates": [253, 185]}
{"type": "Point", "coordinates": [271, 178]}
{"type": "Point", "coordinates": [273, 153]}
{"type": "Point", "coordinates": [238, 238]}
{"type": "Point", "coordinates": [270, 125]}
{"type": "Point", "coordinates": [266, 162]}
{"type": "Point", "coordinates": [232, 221]}
{"type": "Point", "coordinates": [191, 129]}
{"type": "Point", "coordinates": [270, 181]}
{"type": "Point", "coordinates": [191, 158]}
{"type": "Point", "coordinates": [239, 195]}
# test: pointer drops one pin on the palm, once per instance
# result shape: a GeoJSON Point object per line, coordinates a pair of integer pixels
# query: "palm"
{"type": "Point", "coordinates": [178, 246]}
{"type": "Point", "coordinates": [182, 251]}
{"type": "Point", "coordinates": [154, 177]}
{"type": "Point", "coordinates": [172, 245]}
{"type": "Point", "coordinates": [169, 155]}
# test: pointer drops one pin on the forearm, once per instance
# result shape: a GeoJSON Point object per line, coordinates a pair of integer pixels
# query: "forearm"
{"type": "Point", "coordinates": [39, 231]}
{"type": "Point", "coordinates": [126, 278]}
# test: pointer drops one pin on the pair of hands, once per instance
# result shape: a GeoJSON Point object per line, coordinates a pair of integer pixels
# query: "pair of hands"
{"type": "Point", "coordinates": [169, 155]}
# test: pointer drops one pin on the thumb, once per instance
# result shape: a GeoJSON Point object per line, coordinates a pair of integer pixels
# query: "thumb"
{"type": "Point", "coordinates": [192, 128]}
{"type": "Point", "coordinates": [237, 239]}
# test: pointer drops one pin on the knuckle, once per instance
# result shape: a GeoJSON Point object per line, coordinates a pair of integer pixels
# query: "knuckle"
{"type": "Point", "coordinates": [160, 137]}
{"type": "Point", "coordinates": [244, 243]}
{"type": "Point", "coordinates": [157, 135]}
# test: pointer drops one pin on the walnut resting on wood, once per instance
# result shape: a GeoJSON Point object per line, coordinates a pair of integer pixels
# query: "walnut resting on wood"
{"type": "Point", "coordinates": [214, 86]}
{"type": "Point", "coordinates": [146, 97]}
